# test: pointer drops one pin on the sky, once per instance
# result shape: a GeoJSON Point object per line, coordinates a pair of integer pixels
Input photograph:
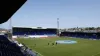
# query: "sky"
{"type": "Point", "coordinates": [44, 13]}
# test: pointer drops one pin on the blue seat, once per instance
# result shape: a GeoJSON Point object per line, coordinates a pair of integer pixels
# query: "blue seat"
{"type": "Point", "coordinates": [8, 48]}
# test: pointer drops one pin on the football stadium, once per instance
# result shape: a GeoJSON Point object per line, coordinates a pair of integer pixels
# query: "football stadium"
{"type": "Point", "coordinates": [46, 42]}
{"type": "Point", "coordinates": [50, 41]}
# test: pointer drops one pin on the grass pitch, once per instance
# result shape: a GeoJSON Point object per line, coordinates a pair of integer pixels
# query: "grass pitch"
{"type": "Point", "coordinates": [83, 47]}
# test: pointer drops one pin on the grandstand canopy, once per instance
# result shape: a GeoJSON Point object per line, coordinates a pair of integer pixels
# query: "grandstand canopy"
{"type": "Point", "coordinates": [8, 8]}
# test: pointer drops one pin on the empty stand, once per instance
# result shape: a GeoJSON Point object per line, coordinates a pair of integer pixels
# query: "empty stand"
{"type": "Point", "coordinates": [31, 31]}
{"type": "Point", "coordinates": [88, 35]}
{"type": "Point", "coordinates": [8, 48]}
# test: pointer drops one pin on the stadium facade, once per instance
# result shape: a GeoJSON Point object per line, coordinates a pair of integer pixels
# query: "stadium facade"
{"type": "Point", "coordinates": [34, 32]}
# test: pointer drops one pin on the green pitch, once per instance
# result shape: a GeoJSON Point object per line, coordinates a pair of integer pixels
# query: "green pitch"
{"type": "Point", "coordinates": [83, 47]}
